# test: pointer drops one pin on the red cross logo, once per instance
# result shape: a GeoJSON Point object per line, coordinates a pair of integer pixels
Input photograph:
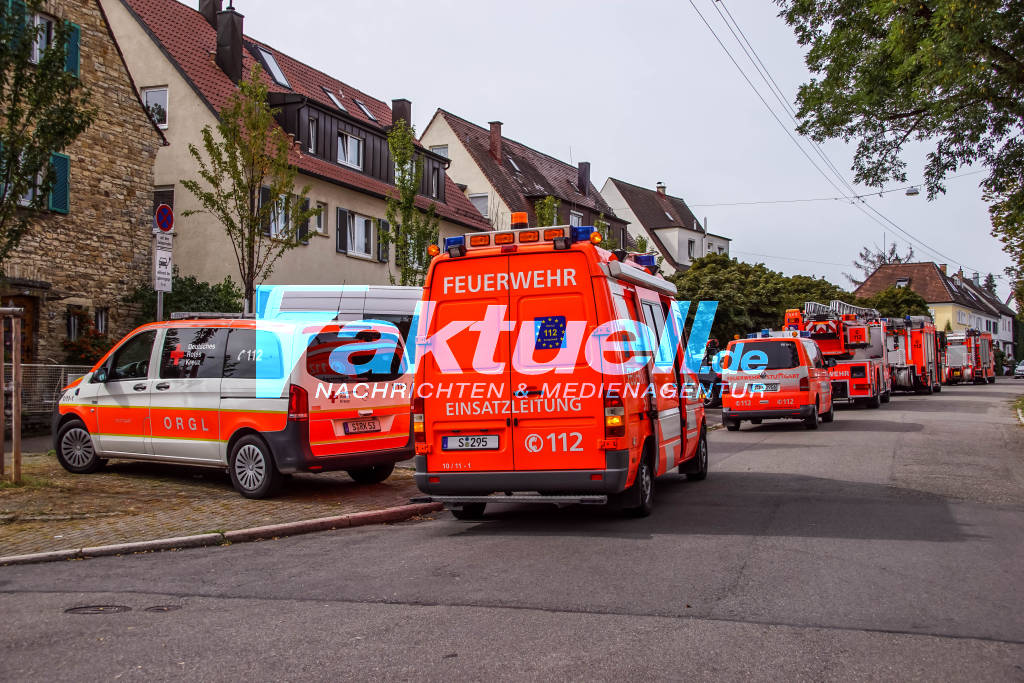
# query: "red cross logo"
{"type": "Point", "coordinates": [177, 354]}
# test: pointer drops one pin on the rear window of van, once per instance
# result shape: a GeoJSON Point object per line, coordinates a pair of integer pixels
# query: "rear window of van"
{"type": "Point", "coordinates": [321, 347]}
{"type": "Point", "coordinates": [782, 355]}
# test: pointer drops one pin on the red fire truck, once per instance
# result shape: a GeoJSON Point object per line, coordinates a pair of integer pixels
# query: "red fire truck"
{"type": "Point", "coordinates": [969, 357]}
{"type": "Point", "coordinates": [913, 354]}
{"type": "Point", "coordinates": [854, 337]}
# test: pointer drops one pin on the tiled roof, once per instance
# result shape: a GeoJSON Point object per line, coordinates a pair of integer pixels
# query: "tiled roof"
{"type": "Point", "coordinates": [190, 43]}
{"type": "Point", "coordinates": [538, 174]}
{"type": "Point", "coordinates": [989, 300]}
{"type": "Point", "coordinates": [929, 281]}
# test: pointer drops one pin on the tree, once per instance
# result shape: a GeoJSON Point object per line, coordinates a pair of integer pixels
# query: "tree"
{"type": "Point", "coordinates": [641, 244]}
{"type": "Point", "coordinates": [411, 229]}
{"type": "Point", "coordinates": [608, 239]}
{"type": "Point", "coordinates": [546, 211]}
{"type": "Point", "coordinates": [990, 284]}
{"type": "Point", "coordinates": [897, 302]}
{"type": "Point", "coordinates": [249, 184]}
{"type": "Point", "coordinates": [946, 71]}
{"type": "Point", "coordinates": [188, 293]}
{"type": "Point", "coordinates": [43, 108]}
{"type": "Point", "coordinates": [869, 260]}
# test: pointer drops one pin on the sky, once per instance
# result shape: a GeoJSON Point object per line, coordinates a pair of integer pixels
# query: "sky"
{"type": "Point", "coordinates": [643, 91]}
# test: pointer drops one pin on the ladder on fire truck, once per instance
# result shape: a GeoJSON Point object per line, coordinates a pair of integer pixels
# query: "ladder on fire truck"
{"type": "Point", "coordinates": [842, 308]}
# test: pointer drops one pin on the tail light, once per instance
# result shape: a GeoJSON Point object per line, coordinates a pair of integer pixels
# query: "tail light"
{"type": "Point", "coordinates": [614, 416]}
{"type": "Point", "coordinates": [805, 384]}
{"type": "Point", "coordinates": [418, 423]}
{"type": "Point", "coordinates": [298, 404]}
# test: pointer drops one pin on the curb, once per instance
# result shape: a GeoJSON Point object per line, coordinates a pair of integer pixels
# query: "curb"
{"type": "Point", "coordinates": [1020, 416]}
{"type": "Point", "coordinates": [398, 513]}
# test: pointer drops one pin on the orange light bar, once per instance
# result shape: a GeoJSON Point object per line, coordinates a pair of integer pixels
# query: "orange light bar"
{"type": "Point", "coordinates": [479, 240]}
{"type": "Point", "coordinates": [552, 233]}
{"type": "Point", "coordinates": [595, 238]}
{"type": "Point", "coordinates": [520, 219]}
{"type": "Point", "coordinates": [529, 236]}
{"type": "Point", "coordinates": [505, 238]}
{"type": "Point", "coordinates": [433, 250]}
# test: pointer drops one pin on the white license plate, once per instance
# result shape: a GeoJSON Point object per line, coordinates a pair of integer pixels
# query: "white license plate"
{"type": "Point", "coordinates": [362, 426]}
{"type": "Point", "coordinates": [754, 387]}
{"type": "Point", "coordinates": [476, 442]}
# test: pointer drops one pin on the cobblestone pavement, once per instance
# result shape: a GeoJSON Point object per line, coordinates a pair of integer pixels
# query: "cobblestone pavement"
{"type": "Point", "coordinates": [143, 501]}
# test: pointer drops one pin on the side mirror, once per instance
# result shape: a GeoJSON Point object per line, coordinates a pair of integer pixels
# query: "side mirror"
{"type": "Point", "coordinates": [100, 375]}
{"type": "Point", "coordinates": [830, 363]}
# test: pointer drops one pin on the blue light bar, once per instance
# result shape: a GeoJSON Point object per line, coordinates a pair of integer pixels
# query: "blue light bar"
{"type": "Point", "coordinates": [646, 260]}
{"type": "Point", "coordinates": [766, 333]}
{"type": "Point", "coordinates": [581, 233]}
{"type": "Point", "coordinates": [752, 335]}
{"type": "Point", "coordinates": [459, 241]}
{"type": "Point", "coordinates": [805, 334]}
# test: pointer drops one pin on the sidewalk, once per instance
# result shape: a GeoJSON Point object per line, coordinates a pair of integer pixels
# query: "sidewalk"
{"type": "Point", "coordinates": [129, 501]}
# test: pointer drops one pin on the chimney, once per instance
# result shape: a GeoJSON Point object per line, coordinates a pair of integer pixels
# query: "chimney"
{"type": "Point", "coordinates": [401, 109]}
{"type": "Point", "coordinates": [496, 139]}
{"type": "Point", "coordinates": [210, 9]}
{"type": "Point", "coordinates": [229, 43]}
{"type": "Point", "coordinates": [583, 177]}
{"type": "Point", "coordinates": [942, 267]}
{"type": "Point", "coordinates": [977, 279]}
{"type": "Point", "coordinates": [660, 187]}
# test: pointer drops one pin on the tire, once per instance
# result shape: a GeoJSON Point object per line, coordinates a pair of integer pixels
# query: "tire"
{"type": "Point", "coordinates": [702, 459]}
{"type": "Point", "coordinates": [812, 421]}
{"type": "Point", "coordinates": [874, 402]}
{"type": "Point", "coordinates": [991, 380]}
{"type": "Point", "coordinates": [886, 397]}
{"type": "Point", "coordinates": [830, 416]}
{"type": "Point", "coordinates": [469, 511]}
{"type": "Point", "coordinates": [75, 450]}
{"type": "Point", "coordinates": [252, 468]}
{"type": "Point", "coordinates": [938, 388]}
{"type": "Point", "coordinates": [374, 474]}
{"type": "Point", "coordinates": [645, 484]}
{"type": "Point", "coordinates": [732, 425]}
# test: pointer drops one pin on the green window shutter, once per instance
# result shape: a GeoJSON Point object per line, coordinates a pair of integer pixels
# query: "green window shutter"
{"type": "Point", "coordinates": [72, 63]}
{"type": "Point", "coordinates": [60, 193]}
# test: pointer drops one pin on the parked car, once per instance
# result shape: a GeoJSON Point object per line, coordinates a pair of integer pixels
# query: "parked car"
{"type": "Point", "coordinates": [1019, 372]}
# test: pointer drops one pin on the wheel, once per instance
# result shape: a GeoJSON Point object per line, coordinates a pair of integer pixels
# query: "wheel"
{"type": "Point", "coordinates": [469, 511]}
{"type": "Point", "coordinates": [252, 468]}
{"type": "Point", "coordinates": [938, 388]}
{"type": "Point", "coordinates": [886, 397]}
{"type": "Point", "coordinates": [75, 450]}
{"type": "Point", "coordinates": [645, 485]}
{"type": "Point", "coordinates": [991, 380]}
{"type": "Point", "coordinates": [756, 421]}
{"type": "Point", "coordinates": [830, 416]}
{"type": "Point", "coordinates": [702, 460]}
{"type": "Point", "coordinates": [374, 474]}
{"type": "Point", "coordinates": [874, 402]}
{"type": "Point", "coordinates": [812, 421]}
{"type": "Point", "coordinates": [732, 425]}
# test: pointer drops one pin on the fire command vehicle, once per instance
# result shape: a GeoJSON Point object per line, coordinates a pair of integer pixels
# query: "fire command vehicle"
{"type": "Point", "coordinates": [776, 375]}
{"type": "Point", "coordinates": [517, 408]}
{"type": "Point", "coordinates": [971, 350]}
{"type": "Point", "coordinates": [854, 337]}
{"type": "Point", "coordinates": [913, 351]}
{"type": "Point", "coordinates": [260, 397]}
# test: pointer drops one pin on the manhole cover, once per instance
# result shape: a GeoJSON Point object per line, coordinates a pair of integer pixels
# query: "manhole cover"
{"type": "Point", "coordinates": [162, 608]}
{"type": "Point", "coordinates": [98, 609]}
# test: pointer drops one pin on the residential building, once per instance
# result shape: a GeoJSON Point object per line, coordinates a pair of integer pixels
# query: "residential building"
{"type": "Point", "coordinates": [664, 222]}
{"type": "Point", "coordinates": [187, 64]}
{"type": "Point", "coordinates": [956, 302]}
{"type": "Point", "coordinates": [501, 176]}
{"type": "Point", "coordinates": [91, 246]}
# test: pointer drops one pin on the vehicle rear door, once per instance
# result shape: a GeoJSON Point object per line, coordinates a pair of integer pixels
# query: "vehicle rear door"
{"type": "Point", "coordinates": [667, 403]}
{"type": "Point", "coordinates": [558, 414]}
{"type": "Point", "coordinates": [468, 409]}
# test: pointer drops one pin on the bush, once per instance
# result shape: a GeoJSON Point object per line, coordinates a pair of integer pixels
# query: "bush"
{"type": "Point", "coordinates": [188, 294]}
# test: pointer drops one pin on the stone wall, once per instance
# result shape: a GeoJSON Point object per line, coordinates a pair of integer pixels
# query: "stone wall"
{"type": "Point", "coordinates": [98, 253]}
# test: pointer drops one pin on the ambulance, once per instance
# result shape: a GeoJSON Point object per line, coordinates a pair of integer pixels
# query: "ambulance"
{"type": "Point", "coordinates": [776, 375]}
{"type": "Point", "coordinates": [261, 397]}
{"type": "Point", "coordinates": [551, 371]}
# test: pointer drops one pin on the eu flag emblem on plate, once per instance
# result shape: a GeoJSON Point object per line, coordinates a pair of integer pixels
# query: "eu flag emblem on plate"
{"type": "Point", "coordinates": [549, 332]}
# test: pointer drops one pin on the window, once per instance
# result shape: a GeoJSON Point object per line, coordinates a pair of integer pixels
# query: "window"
{"type": "Point", "coordinates": [440, 149]}
{"type": "Point", "coordinates": [30, 194]}
{"type": "Point", "coordinates": [323, 346]}
{"type": "Point", "coordinates": [902, 282]}
{"type": "Point", "coordinates": [435, 182]}
{"type": "Point", "coordinates": [155, 100]}
{"type": "Point", "coordinates": [312, 130]}
{"type": "Point", "coordinates": [691, 244]}
{"type": "Point", "coordinates": [350, 150]}
{"type": "Point", "coordinates": [360, 234]}
{"type": "Point", "coordinates": [320, 222]}
{"type": "Point", "coordinates": [192, 353]}
{"type": "Point", "coordinates": [336, 99]}
{"type": "Point", "coordinates": [44, 35]}
{"type": "Point", "coordinates": [131, 361]}
{"type": "Point", "coordinates": [100, 319]}
{"type": "Point", "coordinates": [278, 220]}
{"type": "Point", "coordinates": [366, 111]}
{"type": "Point", "coordinates": [74, 321]}
{"type": "Point", "coordinates": [575, 218]}
{"type": "Point", "coordinates": [782, 355]}
{"type": "Point", "coordinates": [721, 250]}
{"type": "Point", "coordinates": [253, 354]}
{"type": "Point", "coordinates": [513, 163]}
{"type": "Point", "coordinates": [669, 216]}
{"type": "Point", "coordinates": [273, 68]}
{"type": "Point", "coordinates": [480, 202]}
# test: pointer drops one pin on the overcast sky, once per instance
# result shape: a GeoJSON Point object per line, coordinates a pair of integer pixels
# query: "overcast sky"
{"type": "Point", "coordinates": [644, 92]}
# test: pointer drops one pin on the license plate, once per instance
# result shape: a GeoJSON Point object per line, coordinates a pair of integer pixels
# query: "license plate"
{"type": "Point", "coordinates": [754, 387]}
{"type": "Point", "coordinates": [477, 442]}
{"type": "Point", "coordinates": [362, 426]}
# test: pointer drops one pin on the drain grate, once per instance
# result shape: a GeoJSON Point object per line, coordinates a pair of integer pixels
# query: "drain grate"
{"type": "Point", "coordinates": [98, 609]}
{"type": "Point", "coordinates": [162, 608]}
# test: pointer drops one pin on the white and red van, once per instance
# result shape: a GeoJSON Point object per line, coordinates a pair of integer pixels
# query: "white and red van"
{"type": "Point", "coordinates": [537, 377]}
{"type": "Point", "coordinates": [262, 397]}
{"type": "Point", "coordinates": [775, 375]}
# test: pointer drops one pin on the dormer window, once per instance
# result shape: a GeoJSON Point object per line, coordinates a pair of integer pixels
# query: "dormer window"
{"type": "Point", "coordinates": [366, 111]}
{"type": "Point", "coordinates": [313, 128]}
{"type": "Point", "coordinates": [335, 99]}
{"type": "Point", "coordinates": [275, 70]}
{"type": "Point", "coordinates": [902, 282]}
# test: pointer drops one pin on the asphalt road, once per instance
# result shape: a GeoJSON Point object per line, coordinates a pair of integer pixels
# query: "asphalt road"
{"type": "Point", "coordinates": [889, 544]}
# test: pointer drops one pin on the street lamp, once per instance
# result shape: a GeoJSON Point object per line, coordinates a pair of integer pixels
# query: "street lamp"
{"type": "Point", "coordinates": [913, 191]}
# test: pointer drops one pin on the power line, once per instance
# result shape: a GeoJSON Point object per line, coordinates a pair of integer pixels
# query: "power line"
{"type": "Point", "coordinates": [789, 258]}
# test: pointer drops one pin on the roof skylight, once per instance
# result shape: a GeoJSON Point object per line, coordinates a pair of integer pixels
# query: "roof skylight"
{"type": "Point", "coordinates": [669, 216]}
{"type": "Point", "coordinates": [335, 99]}
{"type": "Point", "coordinates": [275, 70]}
{"type": "Point", "coordinates": [511, 161]}
{"type": "Point", "coordinates": [365, 110]}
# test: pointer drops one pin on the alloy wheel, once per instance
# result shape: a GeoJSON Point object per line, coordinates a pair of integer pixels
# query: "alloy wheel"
{"type": "Point", "coordinates": [76, 447]}
{"type": "Point", "coordinates": [250, 467]}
